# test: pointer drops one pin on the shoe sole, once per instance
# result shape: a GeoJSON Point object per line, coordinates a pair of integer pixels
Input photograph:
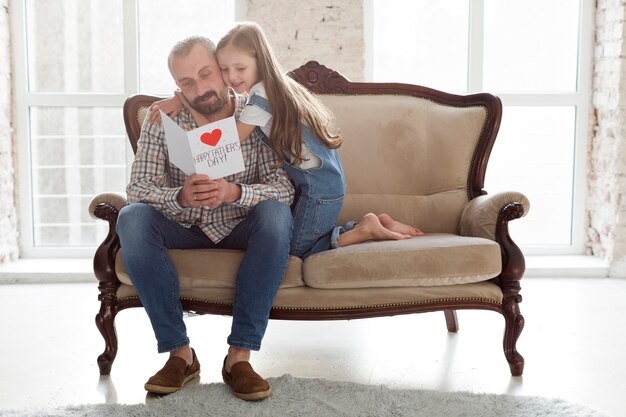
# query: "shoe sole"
{"type": "Point", "coordinates": [158, 389]}
{"type": "Point", "coordinates": [254, 396]}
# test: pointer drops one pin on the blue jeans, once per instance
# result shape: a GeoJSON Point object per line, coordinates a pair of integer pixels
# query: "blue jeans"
{"type": "Point", "coordinates": [329, 240]}
{"type": "Point", "coordinates": [146, 235]}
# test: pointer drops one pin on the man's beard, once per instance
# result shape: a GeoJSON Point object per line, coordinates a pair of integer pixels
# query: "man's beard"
{"type": "Point", "coordinates": [211, 106]}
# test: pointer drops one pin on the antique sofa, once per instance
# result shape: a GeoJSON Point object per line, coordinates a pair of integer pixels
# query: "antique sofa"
{"type": "Point", "coordinates": [415, 153]}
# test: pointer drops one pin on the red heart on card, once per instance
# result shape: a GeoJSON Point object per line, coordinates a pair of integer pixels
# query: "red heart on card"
{"type": "Point", "coordinates": [211, 138]}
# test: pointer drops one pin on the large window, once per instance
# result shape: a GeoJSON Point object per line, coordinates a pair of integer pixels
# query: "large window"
{"type": "Point", "coordinates": [76, 62]}
{"type": "Point", "coordinates": [536, 56]}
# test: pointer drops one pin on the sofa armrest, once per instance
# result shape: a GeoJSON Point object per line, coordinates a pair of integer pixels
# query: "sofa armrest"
{"type": "Point", "coordinates": [480, 215]}
{"type": "Point", "coordinates": [113, 200]}
{"type": "Point", "coordinates": [106, 206]}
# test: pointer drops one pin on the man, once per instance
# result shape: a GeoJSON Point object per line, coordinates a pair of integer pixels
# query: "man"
{"type": "Point", "coordinates": [248, 211]}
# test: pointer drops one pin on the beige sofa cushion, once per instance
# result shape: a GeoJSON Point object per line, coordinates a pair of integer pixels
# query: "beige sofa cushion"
{"type": "Point", "coordinates": [431, 260]}
{"type": "Point", "coordinates": [436, 259]}
{"type": "Point", "coordinates": [213, 268]}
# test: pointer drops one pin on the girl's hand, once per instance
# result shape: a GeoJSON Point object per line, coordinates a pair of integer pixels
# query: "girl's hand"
{"type": "Point", "coordinates": [170, 106]}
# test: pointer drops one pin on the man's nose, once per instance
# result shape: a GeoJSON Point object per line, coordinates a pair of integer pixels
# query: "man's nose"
{"type": "Point", "coordinates": [202, 88]}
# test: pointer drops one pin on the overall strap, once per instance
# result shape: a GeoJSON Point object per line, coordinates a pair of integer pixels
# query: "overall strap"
{"type": "Point", "coordinates": [263, 137]}
{"type": "Point", "coordinates": [257, 100]}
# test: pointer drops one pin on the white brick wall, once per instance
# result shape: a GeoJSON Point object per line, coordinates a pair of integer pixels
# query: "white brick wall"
{"type": "Point", "coordinates": [607, 158]}
{"type": "Point", "coordinates": [8, 217]}
{"type": "Point", "coordinates": [327, 31]}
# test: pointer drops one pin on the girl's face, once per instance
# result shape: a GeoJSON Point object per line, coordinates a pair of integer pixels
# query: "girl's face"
{"type": "Point", "coordinates": [239, 69]}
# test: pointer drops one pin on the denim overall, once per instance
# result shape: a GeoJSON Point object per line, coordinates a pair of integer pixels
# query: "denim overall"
{"type": "Point", "coordinates": [319, 194]}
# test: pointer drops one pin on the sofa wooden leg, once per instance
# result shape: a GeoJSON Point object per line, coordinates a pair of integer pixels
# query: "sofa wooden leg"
{"type": "Point", "coordinates": [513, 267]}
{"type": "Point", "coordinates": [514, 324]}
{"type": "Point", "coordinates": [451, 320]}
{"type": "Point", "coordinates": [105, 321]}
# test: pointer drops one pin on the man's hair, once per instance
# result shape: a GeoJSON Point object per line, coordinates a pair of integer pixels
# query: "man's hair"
{"type": "Point", "coordinates": [182, 48]}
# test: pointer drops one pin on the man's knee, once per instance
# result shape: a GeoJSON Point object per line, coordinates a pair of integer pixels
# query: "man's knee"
{"type": "Point", "coordinates": [134, 219]}
{"type": "Point", "coordinates": [274, 218]}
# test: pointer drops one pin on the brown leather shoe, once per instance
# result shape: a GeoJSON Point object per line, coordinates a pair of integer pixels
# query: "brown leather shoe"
{"type": "Point", "coordinates": [245, 383]}
{"type": "Point", "coordinates": [174, 375]}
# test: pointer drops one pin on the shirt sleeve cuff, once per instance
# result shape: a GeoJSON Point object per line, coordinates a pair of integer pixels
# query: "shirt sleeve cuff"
{"type": "Point", "coordinates": [247, 196]}
{"type": "Point", "coordinates": [171, 201]}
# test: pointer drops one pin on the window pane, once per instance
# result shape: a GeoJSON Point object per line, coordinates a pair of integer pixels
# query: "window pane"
{"type": "Point", "coordinates": [421, 42]}
{"type": "Point", "coordinates": [162, 23]}
{"type": "Point", "coordinates": [75, 154]}
{"type": "Point", "coordinates": [531, 45]}
{"type": "Point", "coordinates": [75, 45]}
{"type": "Point", "coordinates": [534, 154]}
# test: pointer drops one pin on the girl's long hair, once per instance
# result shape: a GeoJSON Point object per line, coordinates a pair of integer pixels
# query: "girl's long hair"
{"type": "Point", "coordinates": [291, 103]}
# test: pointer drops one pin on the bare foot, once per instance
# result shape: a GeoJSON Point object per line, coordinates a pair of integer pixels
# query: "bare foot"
{"type": "Point", "coordinates": [398, 227]}
{"type": "Point", "coordinates": [370, 226]}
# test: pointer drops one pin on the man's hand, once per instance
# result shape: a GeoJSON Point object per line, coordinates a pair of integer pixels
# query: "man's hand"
{"type": "Point", "coordinates": [199, 191]}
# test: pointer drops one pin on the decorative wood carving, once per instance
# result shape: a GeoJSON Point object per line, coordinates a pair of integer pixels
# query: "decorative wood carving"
{"type": "Point", "coordinates": [319, 79]}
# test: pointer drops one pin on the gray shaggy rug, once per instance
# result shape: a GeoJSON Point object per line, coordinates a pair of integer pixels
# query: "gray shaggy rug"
{"type": "Point", "coordinates": [294, 396]}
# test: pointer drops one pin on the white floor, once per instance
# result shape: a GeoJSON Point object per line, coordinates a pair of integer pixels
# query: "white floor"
{"type": "Point", "coordinates": [574, 342]}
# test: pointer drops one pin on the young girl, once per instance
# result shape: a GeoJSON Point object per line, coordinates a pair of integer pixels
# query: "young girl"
{"type": "Point", "coordinates": [294, 123]}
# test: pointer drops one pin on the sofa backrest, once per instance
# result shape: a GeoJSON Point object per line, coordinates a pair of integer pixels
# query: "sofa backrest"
{"type": "Point", "coordinates": [415, 153]}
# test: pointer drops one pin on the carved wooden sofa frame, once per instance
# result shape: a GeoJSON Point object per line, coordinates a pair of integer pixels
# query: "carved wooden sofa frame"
{"type": "Point", "coordinates": [323, 81]}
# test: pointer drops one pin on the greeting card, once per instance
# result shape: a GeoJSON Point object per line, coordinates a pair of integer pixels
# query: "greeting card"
{"type": "Point", "coordinates": [212, 149]}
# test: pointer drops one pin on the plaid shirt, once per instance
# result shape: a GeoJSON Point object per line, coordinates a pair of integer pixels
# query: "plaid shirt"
{"type": "Point", "coordinates": [157, 182]}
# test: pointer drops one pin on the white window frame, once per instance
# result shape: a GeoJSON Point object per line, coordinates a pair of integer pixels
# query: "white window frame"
{"type": "Point", "coordinates": [25, 99]}
{"type": "Point", "coordinates": [580, 99]}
